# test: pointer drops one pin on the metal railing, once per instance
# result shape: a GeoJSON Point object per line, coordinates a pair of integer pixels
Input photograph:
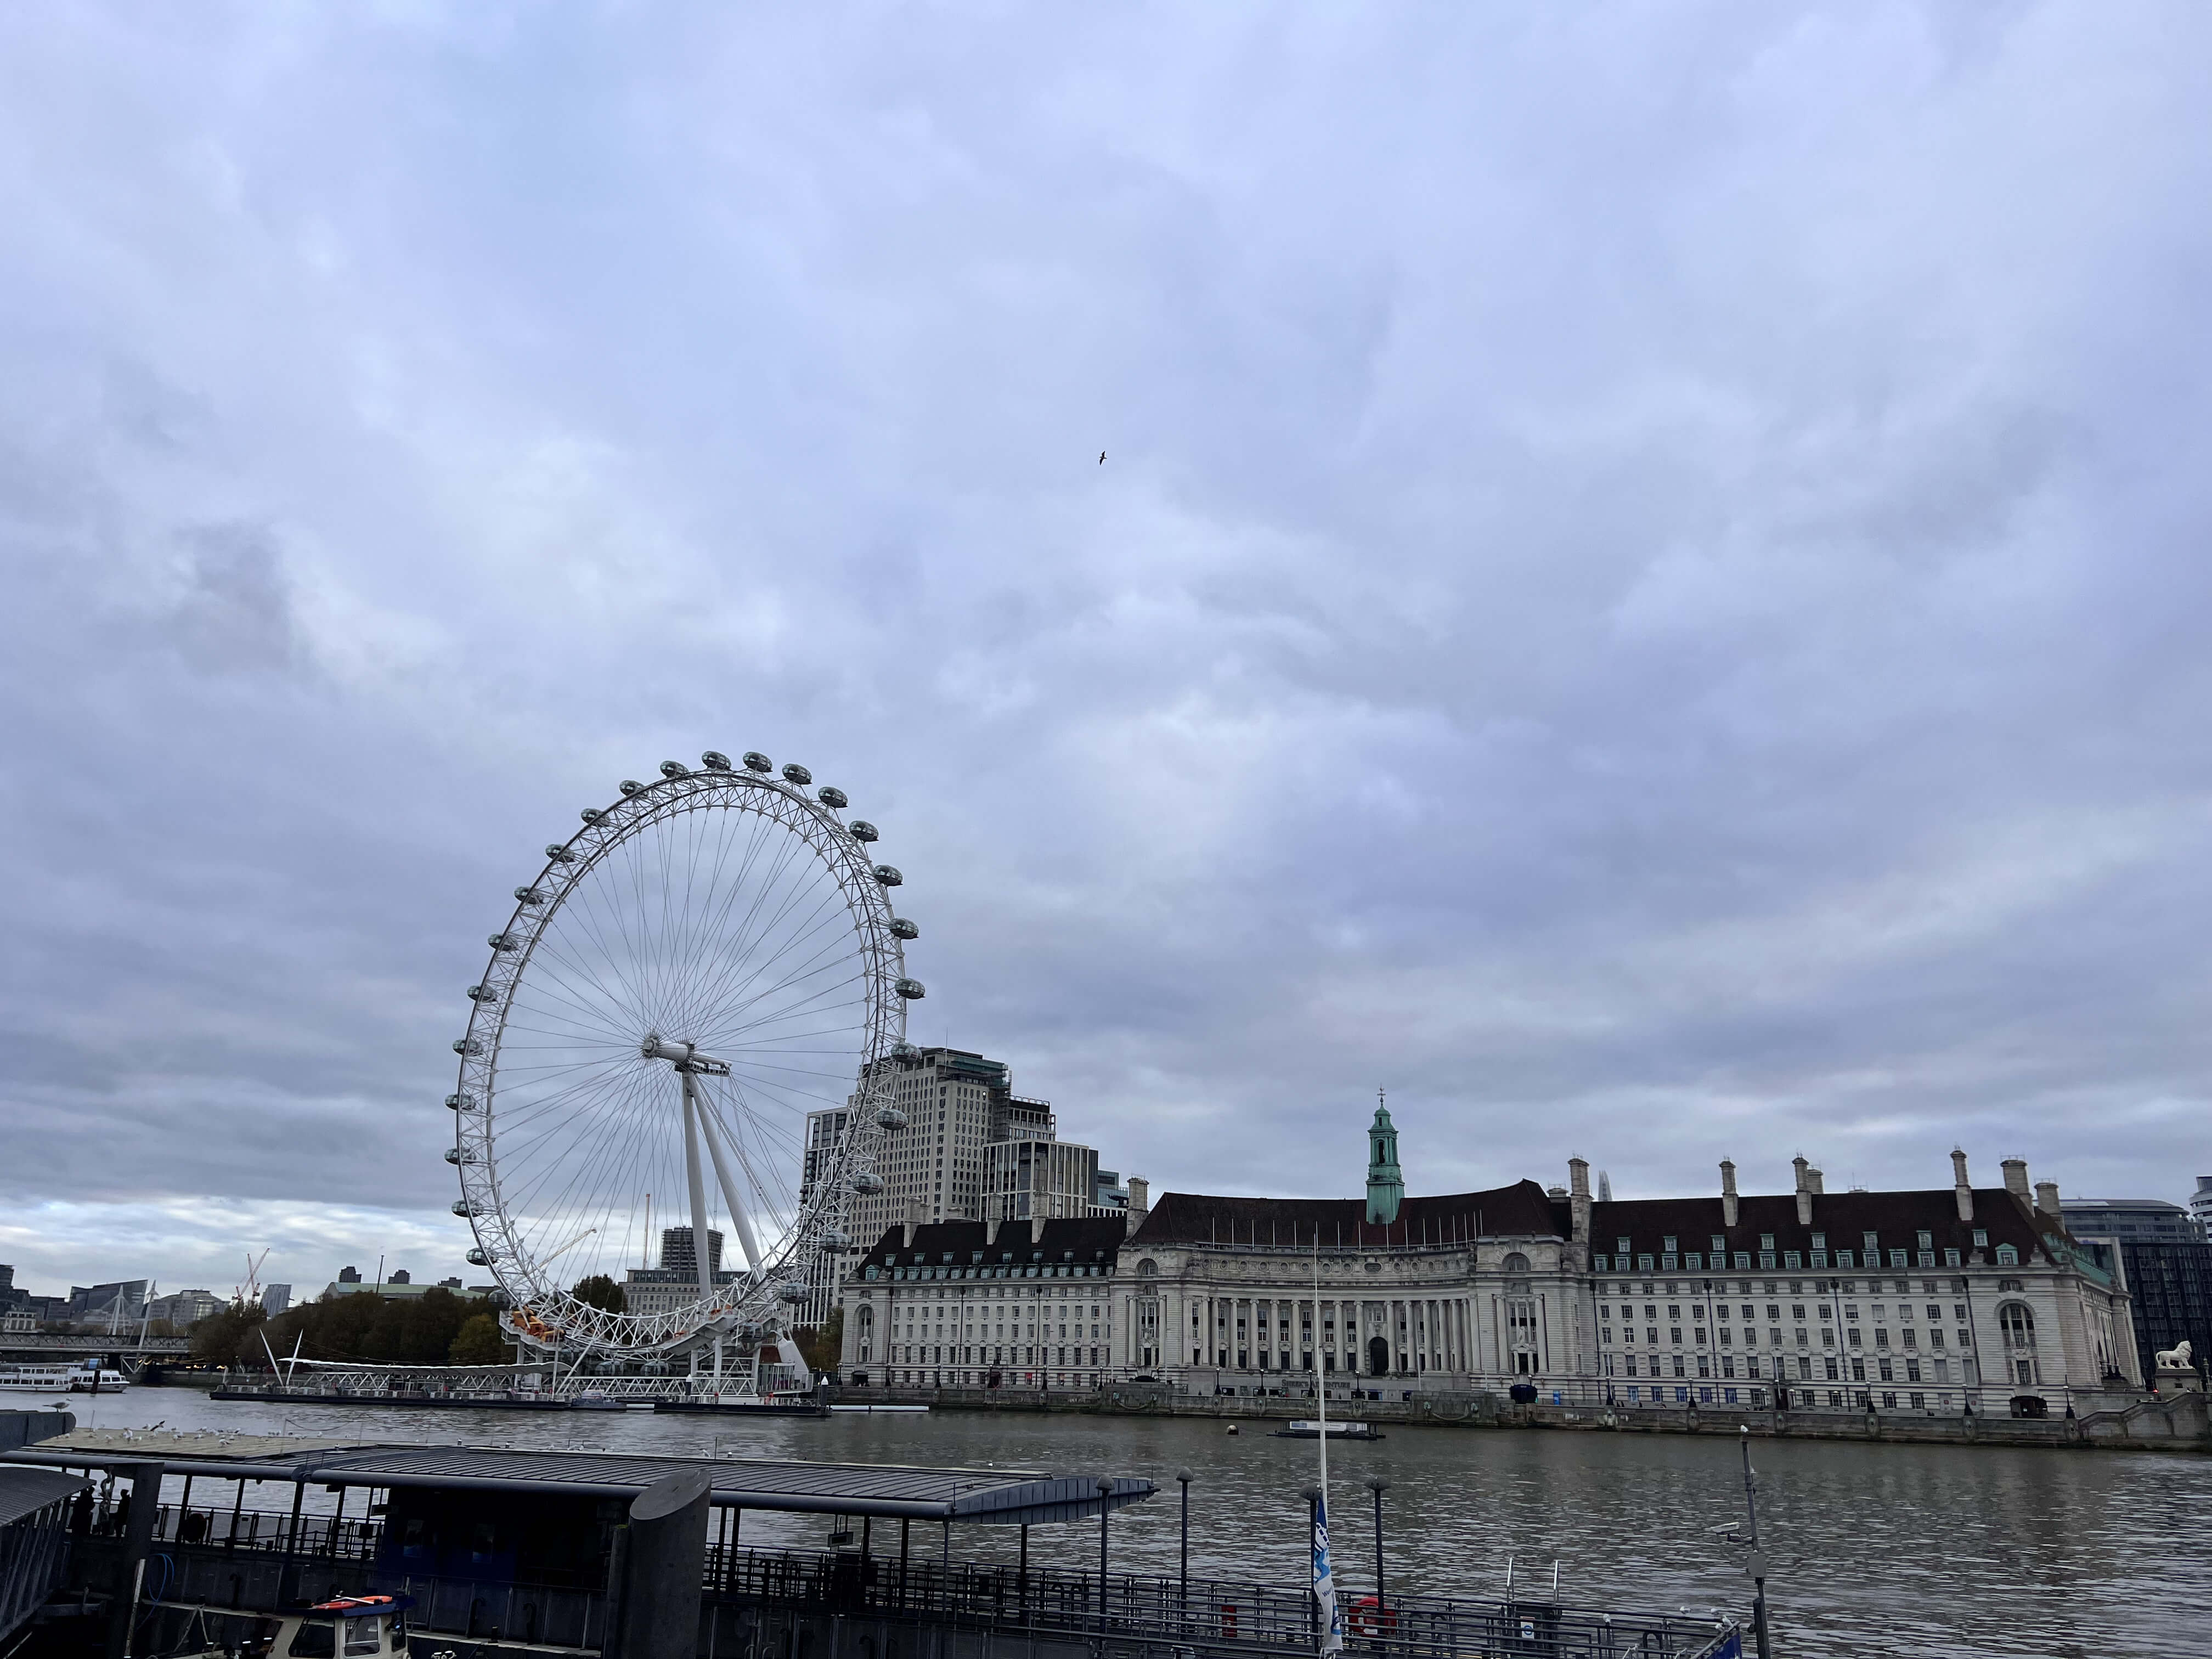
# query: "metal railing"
{"type": "Point", "coordinates": [263, 1561]}
{"type": "Point", "coordinates": [1200, 1613]}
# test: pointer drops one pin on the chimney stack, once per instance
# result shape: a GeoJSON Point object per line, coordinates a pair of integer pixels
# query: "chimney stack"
{"type": "Point", "coordinates": [1819, 1181]}
{"type": "Point", "coordinates": [1579, 1198]}
{"type": "Point", "coordinates": [1140, 1201]}
{"type": "Point", "coordinates": [1728, 1191]}
{"type": "Point", "coordinates": [2046, 1198]}
{"type": "Point", "coordinates": [1961, 1187]}
{"type": "Point", "coordinates": [912, 1220]}
{"type": "Point", "coordinates": [2015, 1175]}
{"type": "Point", "coordinates": [1804, 1192]}
{"type": "Point", "coordinates": [991, 1231]}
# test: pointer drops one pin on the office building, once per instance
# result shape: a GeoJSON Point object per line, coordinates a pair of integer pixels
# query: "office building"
{"type": "Point", "coordinates": [275, 1298]}
{"type": "Point", "coordinates": [184, 1309]}
{"type": "Point", "coordinates": [2130, 1220]}
{"type": "Point", "coordinates": [2155, 1251]}
{"type": "Point", "coordinates": [2200, 1207]}
{"type": "Point", "coordinates": [674, 1282]}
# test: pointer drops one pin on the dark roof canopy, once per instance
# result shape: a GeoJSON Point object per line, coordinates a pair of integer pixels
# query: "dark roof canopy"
{"type": "Point", "coordinates": [1520, 1210]}
{"type": "Point", "coordinates": [1004, 1496]}
{"type": "Point", "coordinates": [1078, 1239]}
{"type": "Point", "coordinates": [26, 1491]}
{"type": "Point", "coordinates": [1842, 1219]}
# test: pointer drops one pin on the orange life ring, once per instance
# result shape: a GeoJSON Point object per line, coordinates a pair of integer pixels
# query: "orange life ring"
{"type": "Point", "coordinates": [1370, 1618]}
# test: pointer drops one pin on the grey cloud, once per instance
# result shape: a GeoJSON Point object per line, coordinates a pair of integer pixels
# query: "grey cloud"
{"type": "Point", "coordinates": [1646, 593]}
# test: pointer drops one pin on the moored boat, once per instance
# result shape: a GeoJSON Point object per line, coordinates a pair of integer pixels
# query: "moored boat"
{"type": "Point", "coordinates": [1307, 1429]}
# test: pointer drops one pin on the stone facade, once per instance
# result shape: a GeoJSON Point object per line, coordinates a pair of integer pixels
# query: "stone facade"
{"type": "Point", "coordinates": [1932, 1301]}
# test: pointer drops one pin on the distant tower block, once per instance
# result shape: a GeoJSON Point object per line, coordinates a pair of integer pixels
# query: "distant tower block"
{"type": "Point", "coordinates": [1386, 1183]}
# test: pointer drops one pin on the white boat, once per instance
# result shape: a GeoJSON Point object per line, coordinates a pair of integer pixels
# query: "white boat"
{"type": "Point", "coordinates": [97, 1381]}
{"type": "Point", "coordinates": [46, 1379]}
{"type": "Point", "coordinates": [1305, 1428]}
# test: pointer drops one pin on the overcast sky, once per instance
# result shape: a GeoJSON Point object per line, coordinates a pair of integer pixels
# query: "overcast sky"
{"type": "Point", "coordinates": [1649, 591]}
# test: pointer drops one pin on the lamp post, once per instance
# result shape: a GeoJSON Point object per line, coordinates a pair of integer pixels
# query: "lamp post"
{"type": "Point", "coordinates": [1105, 1507]}
{"type": "Point", "coordinates": [1378, 1486]}
{"type": "Point", "coordinates": [1184, 1477]}
{"type": "Point", "coordinates": [1754, 1558]}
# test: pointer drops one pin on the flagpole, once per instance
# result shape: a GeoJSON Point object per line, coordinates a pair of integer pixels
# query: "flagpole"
{"type": "Point", "coordinates": [1324, 1576]}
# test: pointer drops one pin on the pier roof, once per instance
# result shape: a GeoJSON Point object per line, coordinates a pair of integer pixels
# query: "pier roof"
{"type": "Point", "coordinates": [1001, 1496]}
{"type": "Point", "coordinates": [1523, 1210]}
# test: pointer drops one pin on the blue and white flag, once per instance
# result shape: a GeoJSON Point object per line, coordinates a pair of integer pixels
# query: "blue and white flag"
{"type": "Point", "coordinates": [1324, 1582]}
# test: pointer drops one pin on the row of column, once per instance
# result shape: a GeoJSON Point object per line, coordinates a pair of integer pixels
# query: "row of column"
{"type": "Point", "coordinates": [1420, 1334]}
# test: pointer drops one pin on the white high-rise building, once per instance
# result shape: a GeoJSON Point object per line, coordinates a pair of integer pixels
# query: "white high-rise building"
{"type": "Point", "coordinates": [963, 1121]}
{"type": "Point", "coordinates": [2200, 1207]}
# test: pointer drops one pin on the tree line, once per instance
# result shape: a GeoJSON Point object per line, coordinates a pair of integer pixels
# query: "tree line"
{"type": "Point", "coordinates": [435, 1329]}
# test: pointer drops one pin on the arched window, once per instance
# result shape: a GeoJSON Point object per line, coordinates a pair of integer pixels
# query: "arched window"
{"type": "Point", "coordinates": [2018, 1325]}
{"type": "Point", "coordinates": [1517, 1263]}
{"type": "Point", "coordinates": [1147, 1268]}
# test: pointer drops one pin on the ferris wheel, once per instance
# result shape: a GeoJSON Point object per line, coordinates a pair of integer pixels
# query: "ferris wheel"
{"type": "Point", "coordinates": [708, 960]}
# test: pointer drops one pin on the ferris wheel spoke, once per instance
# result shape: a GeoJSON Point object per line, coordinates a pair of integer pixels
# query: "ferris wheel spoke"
{"type": "Point", "coordinates": [726, 1014]}
{"type": "Point", "coordinates": [584, 905]}
{"type": "Point", "coordinates": [823, 919]}
{"type": "Point", "coordinates": [583, 986]}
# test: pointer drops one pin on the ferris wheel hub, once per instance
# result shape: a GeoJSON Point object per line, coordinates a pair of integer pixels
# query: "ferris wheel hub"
{"type": "Point", "coordinates": [684, 1056]}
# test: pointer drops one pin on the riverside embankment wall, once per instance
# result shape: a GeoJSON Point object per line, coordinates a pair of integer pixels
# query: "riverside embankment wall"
{"type": "Point", "coordinates": [2179, 1423]}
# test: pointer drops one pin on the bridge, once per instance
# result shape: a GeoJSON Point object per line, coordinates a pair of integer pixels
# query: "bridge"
{"type": "Point", "coordinates": [18, 1346]}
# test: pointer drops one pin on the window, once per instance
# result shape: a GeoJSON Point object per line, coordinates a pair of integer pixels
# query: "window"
{"type": "Point", "coordinates": [2008, 1256]}
{"type": "Point", "coordinates": [316, 1638]}
{"type": "Point", "coordinates": [363, 1636]}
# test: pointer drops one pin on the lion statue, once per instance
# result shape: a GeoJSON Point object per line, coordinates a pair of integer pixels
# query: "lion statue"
{"type": "Point", "coordinates": [2178, 1357]}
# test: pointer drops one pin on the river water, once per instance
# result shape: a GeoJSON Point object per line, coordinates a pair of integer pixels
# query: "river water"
{"type": "Point", "coordinates": [1876, 1550]}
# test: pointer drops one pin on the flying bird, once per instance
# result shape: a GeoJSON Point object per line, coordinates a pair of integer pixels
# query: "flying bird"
{"type": "Point", "coordinates": [1102, 458]}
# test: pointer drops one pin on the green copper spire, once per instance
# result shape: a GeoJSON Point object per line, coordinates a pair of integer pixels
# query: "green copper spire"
{"type": "Point", "coordinates": [1386, 1183]}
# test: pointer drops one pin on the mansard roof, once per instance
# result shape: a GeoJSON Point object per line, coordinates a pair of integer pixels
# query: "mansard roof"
{"type": "Point", "coordinates": [1896, 1219]}
{"type": "Point", "coordinates": [1522, 1210]}
{"type": "Point", "coordinates": [1090, 1238]}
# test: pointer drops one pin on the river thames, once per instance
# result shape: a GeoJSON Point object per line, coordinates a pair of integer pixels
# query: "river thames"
{"type": "Point", "coordinates": [1918, 1551]}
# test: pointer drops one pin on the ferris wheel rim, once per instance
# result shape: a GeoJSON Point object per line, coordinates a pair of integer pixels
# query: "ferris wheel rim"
{"type": "Point", "coordinates": [542, 1311]}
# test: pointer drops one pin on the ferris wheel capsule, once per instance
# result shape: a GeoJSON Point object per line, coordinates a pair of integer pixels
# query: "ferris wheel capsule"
{"type": "Point", "coordinates": [890, 1117]}
{"type": "Point", "coordinates": [861, 829]}
{"type": "Point", "coordinates": [902, 928]}
{"type": "Point", "coordinates": [832, 797]}
{"type": "Point", "coordinates": [715, 761]}
{"type": "Point", "coordinates": [911, 989]}
{"type": "Point", "coordinates": [790, 1293]}
{"type": "Point", "coordinates": [674, 769]}
{"type": "Point", "coordinates": [888, 874]}
{"type": "Point", "coordinates": [867, 1182]}
{"type": "Point", "coordinates": [794, 773]}
{"type": "Point", "coordinates": [757, 761]}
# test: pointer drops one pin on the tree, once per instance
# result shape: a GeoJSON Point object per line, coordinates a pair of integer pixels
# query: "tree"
{"type": "Point", "coordinates": [597, 1291]}
{"type": "Point", "coordinates": [479, 1342]}
{"type": "Point", "coordinates": [232, 1336]}
{"type": "Point", "coordinates": [822, 1348]}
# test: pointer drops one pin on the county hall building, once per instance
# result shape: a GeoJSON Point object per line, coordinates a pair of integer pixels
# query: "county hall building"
{"type": "Point", "coordinates": [1926, 1301]}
